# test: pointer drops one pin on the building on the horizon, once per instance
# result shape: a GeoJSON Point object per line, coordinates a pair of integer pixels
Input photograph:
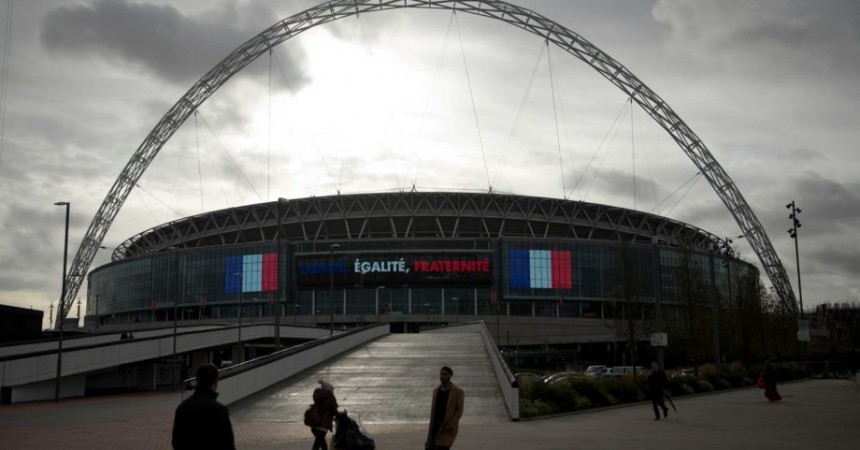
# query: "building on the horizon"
{"type": "Point", "coordinates": [20, 324]}
{"type": "Point", "coordinates": [415, 259]}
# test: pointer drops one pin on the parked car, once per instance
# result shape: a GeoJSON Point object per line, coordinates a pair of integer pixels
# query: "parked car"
{"type": "Point", "coordinates": [529, 377]}
{"type": "Point", "coordinates": [561, 376]}
{"type": "Point", "coordinates": [680, 373]}
{"type": "Point", "coordinates": [620, 371]}
{"type": "Point", "coordinates": [595, 371]}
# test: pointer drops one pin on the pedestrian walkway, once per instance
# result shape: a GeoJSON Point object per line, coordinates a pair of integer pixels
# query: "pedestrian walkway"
{"type": "Point", "coordinates": [813, 414]}
{"type": "Point", "coordinates": [387, 381]}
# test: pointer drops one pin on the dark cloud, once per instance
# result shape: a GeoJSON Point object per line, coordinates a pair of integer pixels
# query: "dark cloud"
{"type": "Point", "coordinates": [616, 182]}
{"type": "Point", "coordinates": [842, 260]}
{"type": "Point", "coordinates": [176, 47]}
{"type": "Point", "coordinates": [828, 205]}
{"type": "Point", "coordinates": [33, 244]}
{"type": "Point", "coordinates": [767, 34]}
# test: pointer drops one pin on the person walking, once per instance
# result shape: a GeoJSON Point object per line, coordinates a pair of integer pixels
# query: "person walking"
{"type": "Point", "coordinates": [445, 412]}
{"type": "Point", "coordinates": [324, 408]}
{"type": "Point", "coordinates": [770, 379]}
{"type": "Point", "coordinates": [200, 421]}
{"type": "Point", "coordinates": [657, 383]}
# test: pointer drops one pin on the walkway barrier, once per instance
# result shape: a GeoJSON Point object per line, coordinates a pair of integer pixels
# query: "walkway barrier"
{"type": "Point", "coordinates": [245, 379]}
{"type": "Point", "coordinates": [507, 382]}
{"type": "Point", "coordinates": [32, 376]}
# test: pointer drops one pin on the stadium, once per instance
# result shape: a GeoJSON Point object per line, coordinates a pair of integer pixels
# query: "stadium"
{"type": "Point", "coordinates": [536, 270]}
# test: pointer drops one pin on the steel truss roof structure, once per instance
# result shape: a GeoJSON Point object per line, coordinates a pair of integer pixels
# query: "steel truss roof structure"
{"type": "Point", "coordinates": [416, 215]}
{"type": "Point", "coordinates": [519, 17]}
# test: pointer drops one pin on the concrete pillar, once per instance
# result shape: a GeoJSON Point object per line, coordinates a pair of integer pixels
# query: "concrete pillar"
{"type": "Point", "coordinates": [238, 354]}
{"type": "Point", "coordinates": [146, 376]}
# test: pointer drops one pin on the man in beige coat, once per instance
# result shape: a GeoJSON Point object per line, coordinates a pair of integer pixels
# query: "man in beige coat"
{"type": "Point", "coordinates": [445, 413]}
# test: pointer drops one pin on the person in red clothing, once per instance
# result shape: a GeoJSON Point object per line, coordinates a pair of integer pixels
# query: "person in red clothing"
{"type": "Point", "coordinates": [770, 379]}
{"type": "Point", "coordinates": [325, 405]}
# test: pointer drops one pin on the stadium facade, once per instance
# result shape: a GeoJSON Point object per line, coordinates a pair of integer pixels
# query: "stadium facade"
{"type": "Point", "coordinates": [411, 257]}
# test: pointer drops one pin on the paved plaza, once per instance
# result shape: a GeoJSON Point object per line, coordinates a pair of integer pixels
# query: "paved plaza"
{"type": "Point", "coordinates": [814, 414]}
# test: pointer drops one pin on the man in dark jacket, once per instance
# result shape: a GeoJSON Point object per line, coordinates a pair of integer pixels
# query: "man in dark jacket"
{"type": "Point", "coordinates": [200, 421]}
{"type": "Point", "coordinates": [657, 383]}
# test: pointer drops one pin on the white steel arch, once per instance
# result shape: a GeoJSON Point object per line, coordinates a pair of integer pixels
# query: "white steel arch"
{"type": "Point", "coordinates": [517, 16]}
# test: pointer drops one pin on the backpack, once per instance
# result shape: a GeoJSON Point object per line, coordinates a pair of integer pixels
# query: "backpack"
{"type": "Point", "coordinates": [312, 416]}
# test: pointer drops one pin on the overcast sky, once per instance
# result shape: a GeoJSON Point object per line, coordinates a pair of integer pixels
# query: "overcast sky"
{"type": "Point", "coordinates": [391, 100]}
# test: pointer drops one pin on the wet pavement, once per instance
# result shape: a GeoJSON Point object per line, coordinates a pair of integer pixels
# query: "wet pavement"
{"type": "Point", "coordinates": [388, 381]}
{"type": "Point", "coordinates": [813, 415]}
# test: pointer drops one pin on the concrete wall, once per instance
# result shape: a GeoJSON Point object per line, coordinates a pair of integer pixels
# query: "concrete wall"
{"type": "Point", "coordinates": [504, 377]}
{"type": "Point", "coordinates": [245, 383]}
{"type": "Point", "coordinates": [70, 387]}
{"type": "Point", "coordinates": [27, 374]}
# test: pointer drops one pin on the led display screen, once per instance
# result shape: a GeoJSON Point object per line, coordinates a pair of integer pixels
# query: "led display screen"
{"type": "Point", "coordinates": [539, 269]}
{"type": "Point", "coordinates": [398, 269]}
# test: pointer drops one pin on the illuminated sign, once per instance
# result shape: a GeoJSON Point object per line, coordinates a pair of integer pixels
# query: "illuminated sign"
{"type": "Point", "coordinates": [406, 269]}
{"type": "Point", "coordinates": [251, 273]}
{"type": "Point", "coordinates": [539, 269]}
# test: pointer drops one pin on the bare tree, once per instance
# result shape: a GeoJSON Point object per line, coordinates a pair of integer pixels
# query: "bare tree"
{"type": "Point", "coordinates": [626, 312]}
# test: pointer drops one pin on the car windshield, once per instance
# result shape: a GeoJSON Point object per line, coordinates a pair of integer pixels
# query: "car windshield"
{"type": "Point", "coordinates": [592, 369]}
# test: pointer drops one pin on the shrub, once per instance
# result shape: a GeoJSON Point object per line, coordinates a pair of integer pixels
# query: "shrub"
{"type": "Point", "coordinates": [567, 399]}
{"type": "Point", "coordinates": [723, 383]}
{"type": "Point", "coordinates": [681, 386]}
{"type": "Point", "coordinates": [708, 370]}
{"type": "Point", "coordinates": [705, 386]}
{"type": "Point", "coordinates": [540, 391]}
{"type": "Point", "coordinates": [686, 389]}
{"type": "Point", "coordinates": [594, 391]}
{"type": "Point", "coordinates": [736, 368]}
{"type": "Point", "coordinates": [736, 374]}
{"type": "Point", "coordinates": [625, 390]}
{"type": "Point", "coordinates": [533, 408]}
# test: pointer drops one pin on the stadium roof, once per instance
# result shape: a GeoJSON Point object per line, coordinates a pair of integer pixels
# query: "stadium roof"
{"type": "Point", "coordinates": [416, 215]}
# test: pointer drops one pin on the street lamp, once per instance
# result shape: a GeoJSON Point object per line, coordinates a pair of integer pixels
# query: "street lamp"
{"type": "Point", "coordinates": [98, 319]}
{"type": "Point", "coordinates": [61, 317]}
{"type": "Point", "coordinates": [795, 224]}
{"type": "Point", "coordinates": [377, 301]}
{"type": "Point", "coordinates": [239, 274]}
{"type": "Point", "coordinates": [280, 281]}
{"type": "Point", "coordinates": [331, 287]}
{"type": "Point", "coordinates": [173, 292]}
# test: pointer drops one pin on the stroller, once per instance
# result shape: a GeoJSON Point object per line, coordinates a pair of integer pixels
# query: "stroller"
{"type": "Point", "coordinates": [349, 435]}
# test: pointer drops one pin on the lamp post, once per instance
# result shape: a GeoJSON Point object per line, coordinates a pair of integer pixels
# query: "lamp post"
{"type": "Point", "coordinates": [173, 292]}
{"type": "Point", "coordinates": [427, 307]}
{"type": "Point", "coordinates": [97, 313]}
{"type": "Point", "coordinates": [239, 294]}
{"type": "Point", "coordinates": [280, 280]}
{"type": "Point", "coordinates": [331, 287]}
{"type": "Point", "coordinates": [802, 325]}
{"type": "Point", "coordinates": [795, 224]}
{"type": "Point", "coordinates": [377, 301]}
{"type": "Point", "coordinates": [61, 317]}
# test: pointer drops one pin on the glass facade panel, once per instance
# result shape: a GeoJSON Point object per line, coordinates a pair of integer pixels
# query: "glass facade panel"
{"type": "Point", "coordinates": [528, 276]}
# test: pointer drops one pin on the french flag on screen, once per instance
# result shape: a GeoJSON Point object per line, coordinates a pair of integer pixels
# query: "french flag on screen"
{"type": "Point", "coordinates": [539, 269]}
{"type": "Point", "coordinates": [251, 273]}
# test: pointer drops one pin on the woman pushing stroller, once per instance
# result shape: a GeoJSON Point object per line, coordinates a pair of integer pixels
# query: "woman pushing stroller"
{"type": "Point", "coordinates": [320, 415]}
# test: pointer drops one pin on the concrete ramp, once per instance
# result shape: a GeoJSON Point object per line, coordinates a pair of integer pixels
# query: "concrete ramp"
{"type": "Point", "coordinates": [389, 380]}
